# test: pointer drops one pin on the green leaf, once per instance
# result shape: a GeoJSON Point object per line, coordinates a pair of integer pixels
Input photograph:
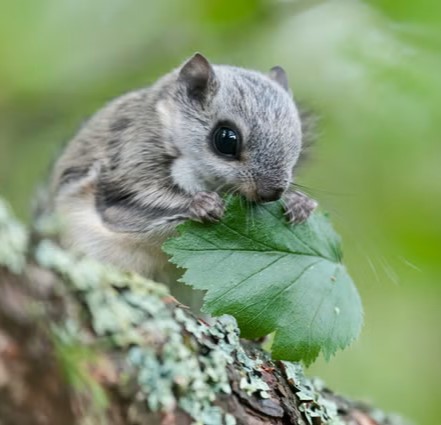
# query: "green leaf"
{"type": "Point", "coordinates": [273, 276]}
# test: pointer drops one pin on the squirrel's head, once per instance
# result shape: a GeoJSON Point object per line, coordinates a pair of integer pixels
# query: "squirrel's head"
{"type": "Point", "coordinates": [231, 129]}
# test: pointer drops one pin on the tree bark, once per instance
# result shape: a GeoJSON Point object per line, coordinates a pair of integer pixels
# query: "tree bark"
{"type": "Point", "coordinates": [83, 344]}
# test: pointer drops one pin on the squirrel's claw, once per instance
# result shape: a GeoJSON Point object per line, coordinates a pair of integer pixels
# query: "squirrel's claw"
{"type": "Point", "coordinates": [207, 207]}
{"type": "Point", "coordinates": [298, 207]}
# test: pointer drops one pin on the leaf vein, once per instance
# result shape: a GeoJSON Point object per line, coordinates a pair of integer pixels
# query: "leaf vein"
{"type": "Point", "coordinates": [308, 267]}
{"type": "Point", "coordinates": [309, 247]}
{"type": "Point", "coordinates": [250, 276]}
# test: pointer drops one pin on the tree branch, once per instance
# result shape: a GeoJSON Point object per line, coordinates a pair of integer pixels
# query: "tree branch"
{"type": "Point", "coordinates": [81, 343]}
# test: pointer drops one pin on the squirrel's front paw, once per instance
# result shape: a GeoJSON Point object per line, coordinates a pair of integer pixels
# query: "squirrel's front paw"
{"type": "Point", "coordinates": [298, 207]}
{"type": "Point", "coordinates": [207, 207]}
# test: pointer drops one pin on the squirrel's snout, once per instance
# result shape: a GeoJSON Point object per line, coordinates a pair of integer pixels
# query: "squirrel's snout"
{"type": "Point", "coordinates": [269, 195]}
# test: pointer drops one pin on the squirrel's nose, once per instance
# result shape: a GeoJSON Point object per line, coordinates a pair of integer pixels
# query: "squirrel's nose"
{"type": "Point", "coordinates": [268, 195]}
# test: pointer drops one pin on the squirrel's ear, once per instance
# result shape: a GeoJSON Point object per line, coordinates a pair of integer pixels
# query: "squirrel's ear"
{"type": "Point", "coordinates": [278, 74]}
{"type": "Point", "coordinates": [198, 75]}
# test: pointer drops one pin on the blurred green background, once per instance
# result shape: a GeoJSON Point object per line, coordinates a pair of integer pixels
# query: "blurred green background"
{"type": "Point", "coordinates": [373, 72]}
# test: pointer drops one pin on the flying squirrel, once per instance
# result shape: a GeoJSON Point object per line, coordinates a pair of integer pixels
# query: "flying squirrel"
{"type": "Point", "coordinates": [155, 157]}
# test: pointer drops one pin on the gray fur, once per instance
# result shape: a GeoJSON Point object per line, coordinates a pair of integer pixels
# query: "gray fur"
{"type": "Point", "coordinates": [144, 163]}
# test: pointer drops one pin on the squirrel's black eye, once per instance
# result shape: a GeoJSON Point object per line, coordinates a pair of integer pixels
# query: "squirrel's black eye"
{"type": "Point", "coordinates": [226, 142]}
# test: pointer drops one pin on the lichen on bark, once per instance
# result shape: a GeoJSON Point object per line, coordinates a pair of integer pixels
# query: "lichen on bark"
{"type": "Point", "coordinates": [119, 349]}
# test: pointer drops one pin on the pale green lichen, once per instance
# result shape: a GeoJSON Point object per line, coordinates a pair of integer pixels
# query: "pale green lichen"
{"type": "Point", "coordinates": [253, 385]}
{"type": "Point", "coordinates": [87, 274]}
{"type": "Point", "coordinates": [125, 307]}
{"type": "Point", "coordinates": [207, 377]}
{"type": "Point", "coordinates": [13, 240]}
{"type": "Point", "coordinates": [230, 419]}
{"type": "Point", "coordinates": [313, 405]}
{"type": "Point", "coordinates": [316, 405]}
{"type": "Point", "coordinates": [118, 301]}
{"type": "Point", "coordinates": [227, 333]}
{"type": "Point", "coordinates": [196, 378]}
